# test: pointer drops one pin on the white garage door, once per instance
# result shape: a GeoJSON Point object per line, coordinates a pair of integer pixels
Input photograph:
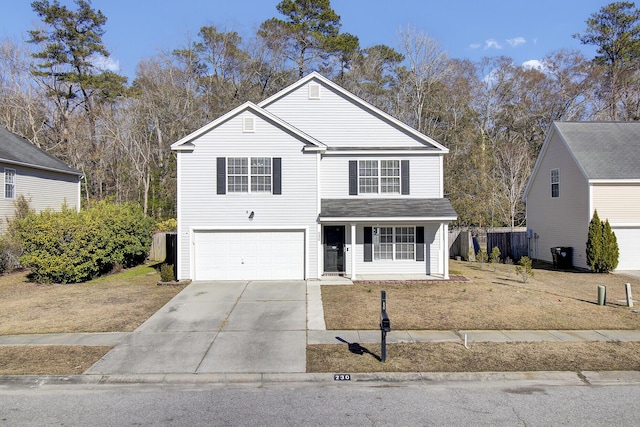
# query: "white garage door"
{"type": "Point", "coordinates": [249, 255]}
{"type": "Point", "coordinates": [629, 246]}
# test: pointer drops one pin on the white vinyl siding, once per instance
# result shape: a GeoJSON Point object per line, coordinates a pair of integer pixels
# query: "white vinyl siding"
{"type": "Point", "coordinates": [424, 176]}
{"type": "Point", "coordinates": [200, 207]}
{"type": "Point", "coordinates": [351, 125]}
{"type": "Point", "coordinates": [42, 189]}
{"type": "Point", "coordinates": [558, 221]}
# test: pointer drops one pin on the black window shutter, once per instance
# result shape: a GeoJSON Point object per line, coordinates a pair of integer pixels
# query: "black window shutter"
{"type": "Point", "coordinates": [277, 175]}
{"type": "Point", "coordinates": [404, 177]}
{"type": "Point", "coordinates": [368, 244]}
{"type": "Point", "coordinates": [353, 177]}
{"type": "Point", "coordinates": [221, 175]}
{"type": "Point", "coordinates": [419, 243]}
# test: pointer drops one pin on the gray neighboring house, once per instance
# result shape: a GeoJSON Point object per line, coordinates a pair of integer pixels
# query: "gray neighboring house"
{"type": "Point", "coordinates": [45, 181]}
{"type": "Point", "coordinates": [583, 167]}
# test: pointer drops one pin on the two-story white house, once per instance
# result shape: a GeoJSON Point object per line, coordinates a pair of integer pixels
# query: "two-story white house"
{"type": "Point", "coordinates": [312, 181]}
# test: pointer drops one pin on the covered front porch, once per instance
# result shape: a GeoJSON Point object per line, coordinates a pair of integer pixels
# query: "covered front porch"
{"type": "Point", "coordinates": [384, 239]}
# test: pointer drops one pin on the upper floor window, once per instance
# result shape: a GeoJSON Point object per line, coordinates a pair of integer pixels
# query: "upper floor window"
{"type": "Point", "coordinates": [248, 174]}
{"type": "Point", "coordinates": [379, 176]}
{"type": "Point", "coordinates": [9, 183]}
{"type": "Point", "coordinates": [555, 182]}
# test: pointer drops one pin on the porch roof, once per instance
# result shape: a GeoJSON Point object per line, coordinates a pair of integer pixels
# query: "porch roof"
{"type": "Point", "coordinates": [439, 209]}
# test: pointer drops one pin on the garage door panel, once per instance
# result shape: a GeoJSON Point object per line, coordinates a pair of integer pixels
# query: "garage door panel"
{"type": "Point", "coordinates": [629, 247]}
{"type": "Point", "coordinates": [249, 255]}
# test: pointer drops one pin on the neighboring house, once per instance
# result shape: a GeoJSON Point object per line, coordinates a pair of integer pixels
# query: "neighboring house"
{"type": "Point", "coordinates": [45, 181]}
{"type": "Point", "coordinates": [584, 167]}
{"type": "Point", "coordinates": [312, 181]}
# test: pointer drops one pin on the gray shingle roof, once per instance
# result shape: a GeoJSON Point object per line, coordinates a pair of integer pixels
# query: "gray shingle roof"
{"type": "Point", "coordinates": [605, 150]}
{"type": "Point", "coordinates": [15, 149]}
{"type": "Point", "coordinates": [386, 208]}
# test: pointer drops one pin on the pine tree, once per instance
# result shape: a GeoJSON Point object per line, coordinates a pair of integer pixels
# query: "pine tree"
{"type": "Point", "coordinates": [602, 246]}
{"type": "Point", "coordinates": [595, 243]}
{"type": "Point", "coordinates": [610, 251]}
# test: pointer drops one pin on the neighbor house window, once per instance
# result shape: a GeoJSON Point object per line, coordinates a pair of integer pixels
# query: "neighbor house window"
{"type": "Point", "coordinates": [379, 176]}
{"type": "Point", "coordinates": [555, 182]}
{"type": "Point", "coordinates": [9, 183]}
{"type": "Point", "coordinates": [249, 174]}
{"type": "Point", "coordinates": [394, 243]}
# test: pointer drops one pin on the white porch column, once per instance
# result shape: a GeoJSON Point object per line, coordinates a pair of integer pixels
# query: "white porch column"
{"type": "Point", "coordinates": [353, 251]}
{"type": "Point", "coordinates": [445, 249]}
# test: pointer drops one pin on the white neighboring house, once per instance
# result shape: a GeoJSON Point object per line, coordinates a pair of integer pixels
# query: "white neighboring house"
{"type": "Point", "coordinates": [312, 181]}
{"type": "Point", "coordinates": [584, 167]}
{"type": "Point", "coordinates": [45, 181]}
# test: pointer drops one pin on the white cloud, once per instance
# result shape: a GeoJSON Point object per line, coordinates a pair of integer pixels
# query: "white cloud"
{"type": "Point", "coordinates": [475, 46]}
{"type": "Point", "coordinates": [492, 44]}
{"type": "Point", "coordinates": [106, 63]}
{"type": "Point", "coordinates": [515, 42]}
{"type": "Point", "coordinates": [534, 64]}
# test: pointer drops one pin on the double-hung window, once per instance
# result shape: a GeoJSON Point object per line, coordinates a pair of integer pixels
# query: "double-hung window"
{"type": "Point", "coordinates": [249, 174]}
{"type": "Point", "coordinates": [9, 183]}
{"type": "Point", "coordinates": [394, 243]}
{"type": "Point", "coordinates": [555, 183]}
{"type": "Point", "coordinates": [379, 176]}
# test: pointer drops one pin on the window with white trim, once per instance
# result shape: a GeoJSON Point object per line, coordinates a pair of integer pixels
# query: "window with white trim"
{"type": "Point", "coordinates": [555, 182]}
{"type": "Point", "coordinates": [246, 175]}
{"type": "Point", "coordinates": [394, 243]}
{"type": "Point", "coordinates": [379, 176]}
{"type": "Point", "coordinates": [9, 183]}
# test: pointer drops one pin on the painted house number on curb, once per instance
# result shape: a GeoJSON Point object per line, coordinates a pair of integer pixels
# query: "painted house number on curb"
{"type": "Point", "coordinates": [342, 377]}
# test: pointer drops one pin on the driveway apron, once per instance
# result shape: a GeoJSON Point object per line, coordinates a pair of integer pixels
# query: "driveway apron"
{"type": "Point", "coordinates": [218, 327]}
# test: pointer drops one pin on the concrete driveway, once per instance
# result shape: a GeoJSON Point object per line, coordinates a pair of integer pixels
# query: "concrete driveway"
{"type": "Point", "coordinates": [218, 327]}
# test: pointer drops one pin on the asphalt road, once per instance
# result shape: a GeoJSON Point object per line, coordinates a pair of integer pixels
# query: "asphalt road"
{"type": "Point", "coordinates": [496, 403]}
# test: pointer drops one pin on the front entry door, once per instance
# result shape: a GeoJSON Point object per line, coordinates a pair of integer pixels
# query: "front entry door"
{"type": "Point", "coordinates": [334, 248]}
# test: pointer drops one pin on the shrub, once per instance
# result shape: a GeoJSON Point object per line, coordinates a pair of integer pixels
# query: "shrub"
{"type": "Point", "coordinates": [482, 256]}
{"type": "Point", "coordinates": [71, 247]}
{"type": "Point", "coordinates": [10, 244]}
{"type": "Point", "coordinates": [524, 268]}
{"type": "Point", "coordinates": [495, 257]}
{"type": "Point", "coordinates": [170, 224]}
{"type": "Point", "coordinates": [167, 273]}
{"type": "Point", "coordinates": [602, 246]}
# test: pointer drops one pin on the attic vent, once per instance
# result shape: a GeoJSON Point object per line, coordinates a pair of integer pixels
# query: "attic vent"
{"type": "Point", "coordinates": [314, 91]}
{"type": "Point", "coordinates": [249, 124]}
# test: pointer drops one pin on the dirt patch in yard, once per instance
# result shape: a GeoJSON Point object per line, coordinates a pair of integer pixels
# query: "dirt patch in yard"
{"type": "Point", "coordinates": [491, 300]}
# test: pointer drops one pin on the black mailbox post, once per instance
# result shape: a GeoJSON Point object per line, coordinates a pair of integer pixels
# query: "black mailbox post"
{"type": "Point", "coordinates": [385, 325]}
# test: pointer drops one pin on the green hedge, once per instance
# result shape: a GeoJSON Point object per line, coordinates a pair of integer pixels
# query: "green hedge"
{"type": "Point", "coordinates": [72, 247]}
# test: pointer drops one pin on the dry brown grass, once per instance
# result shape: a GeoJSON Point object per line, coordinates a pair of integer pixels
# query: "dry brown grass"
{"type": "Point", "coordinates": [491, 300]}
{"type": "Point", "coordinates": [480, 357]}
{"type": "Point", "coordinates": [115, 303]}
{"type": "Point", "coordinates": [48, 360]}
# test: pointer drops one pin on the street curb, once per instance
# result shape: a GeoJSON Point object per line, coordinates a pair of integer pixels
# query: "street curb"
{"type": "Point", "coordinates": [546, 377]}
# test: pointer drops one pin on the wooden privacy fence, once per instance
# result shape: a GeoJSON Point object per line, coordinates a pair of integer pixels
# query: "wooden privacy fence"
{"type": "Point", "coordinates": [514, 245]}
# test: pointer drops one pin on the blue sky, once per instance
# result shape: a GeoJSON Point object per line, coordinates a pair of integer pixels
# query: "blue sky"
{"type": "Point", "coordinates": [521, 29]}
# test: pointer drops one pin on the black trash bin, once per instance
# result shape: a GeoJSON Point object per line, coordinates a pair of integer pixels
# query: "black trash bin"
{"type": "Point", "coordinates": [562, 256]}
